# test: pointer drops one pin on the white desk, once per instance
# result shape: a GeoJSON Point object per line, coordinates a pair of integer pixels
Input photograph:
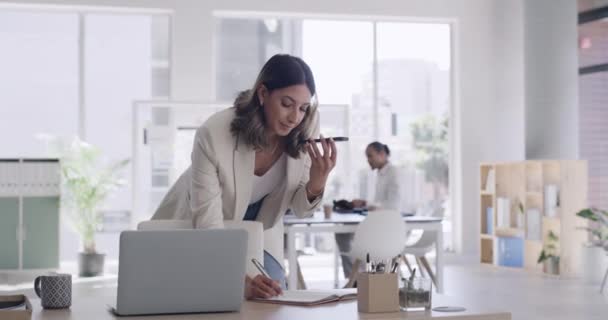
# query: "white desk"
{"type": "Point", "coordinates": [347, 223]}
{"type": "Point", "coordinates": [89, 302]}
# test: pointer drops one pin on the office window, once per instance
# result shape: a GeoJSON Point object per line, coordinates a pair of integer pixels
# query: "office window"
{"type": "Point", "coordinates": [414, 92]}
{"type": "Point", "coordinates": [393, 79]}
{"type": "Point", "coordinates": [340, 75]}
{"type": "Point", "coordinates": [593, 102]}
{"type": "Point", "coordinates": [72, 72]}
{"type": "Point", "coordinates": [243, 46]}
{"type": "Point", "coordinates": [39, 83]}
{"type": "Point", "coordinates": [125, 59]}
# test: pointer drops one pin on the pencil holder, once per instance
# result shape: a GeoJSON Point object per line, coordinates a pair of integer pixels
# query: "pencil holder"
{"type": "Point", "coordinates": [377, 292]}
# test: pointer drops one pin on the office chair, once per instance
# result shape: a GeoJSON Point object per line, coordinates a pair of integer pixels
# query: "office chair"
{"type": "Point", "coordinates": [382, 235]}
{"type": "Point", "coordinates": [425, 244]}
{"type": "Point", "coordinates": [164, 225]}
{"type": "Point", "coordinates": [257, 240]}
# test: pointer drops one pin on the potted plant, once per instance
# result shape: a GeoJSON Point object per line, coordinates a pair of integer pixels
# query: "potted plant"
{"type": "Point", "coordinates": [85, 184]}
{"type": "Point", "coordinates": [520, 215]}
{"type": "Point", "coordinates": [595, 251]}
{"type": "Point", "coordinates": [549, 256]}
{"type": "Point", "coordinates": [598, 228]}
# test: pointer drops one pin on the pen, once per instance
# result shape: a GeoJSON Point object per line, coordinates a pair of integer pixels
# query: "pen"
{"type": "Point", "coordinates": [413, 274]}
{"type": "Point", "coordinates": [396, 262]}
{"type": "Point", "coordinates": [381, 267]}
{"type": "Point", "coordinates": [258, 265]}
{"type": "Point", "coordinates": [394, 267]}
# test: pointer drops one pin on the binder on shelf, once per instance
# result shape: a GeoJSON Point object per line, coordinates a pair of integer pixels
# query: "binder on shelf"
{"type": "Point", "coordinates": [503, 212]}
{"type": "Point", "coordinates": [511, 251]}
{"type": "Point", "coordinates": [490, 181]}
{"type": "Point", "coordinates": [489, 220]}
{"type": "Point", "coordinates": [40, 178]}
{"type": "Point", "coordinates": [551, 200]}
{"type": "Point", "coordinates": [534, 226]}
{"type": "Point", "coordinates": [9, 177]}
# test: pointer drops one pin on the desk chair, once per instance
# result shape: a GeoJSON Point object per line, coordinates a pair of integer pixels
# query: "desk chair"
{"type": "Point", "coordinates": [424, 245]}
{"type": "Point", "coordinates": [277, 250]}
{"type": "Point", "coordinates": [254, 236]}
{"type": "Point", "coordinates": [164, 225]}
{"type": "Point", "coordinates": [258, 239]}
{"type": "Point", "coordinates": [381, 234]}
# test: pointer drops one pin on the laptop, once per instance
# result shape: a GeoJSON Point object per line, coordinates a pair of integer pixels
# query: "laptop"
{"type": "Point", "coordinates": [180, 271]}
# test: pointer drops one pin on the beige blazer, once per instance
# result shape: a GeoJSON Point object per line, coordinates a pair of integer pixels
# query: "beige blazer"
{"type": "Point", "coordinates": [218, 184]}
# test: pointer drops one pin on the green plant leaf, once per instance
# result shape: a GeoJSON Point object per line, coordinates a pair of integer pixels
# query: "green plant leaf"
{"type": "Point", "coordinates": [588, 213]}
{"type": "Point", "coordinates": [85, 183]}
{"type": "Point", "coordinates": [552, 236]}
{"type": "Point", "coordinates": [542, 257]}
{"type": "Point", "coordinates": [521, 207]}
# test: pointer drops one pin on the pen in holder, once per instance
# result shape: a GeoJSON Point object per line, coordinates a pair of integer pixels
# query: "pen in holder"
{"type": "Point", "coordinates": [377, 292]}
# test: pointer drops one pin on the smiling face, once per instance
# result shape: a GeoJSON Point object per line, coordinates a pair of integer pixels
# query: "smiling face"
{"type": "Point", "coordinates": [285, 108]}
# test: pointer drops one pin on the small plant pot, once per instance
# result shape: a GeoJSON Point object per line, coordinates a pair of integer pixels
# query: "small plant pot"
{"type": "Point", "coordinates": [551, 266]}
{"type": "Point", "coordinates": [90, 264]}
{"type": "Point", "coordinates": [595, 263]}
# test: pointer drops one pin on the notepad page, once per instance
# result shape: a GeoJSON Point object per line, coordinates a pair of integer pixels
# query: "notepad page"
{"type": "Point", "coordinates": [336, 292]}
{"type": "Point", "coordinates": [310, 296]}
{"type": "Point", "coordinates": [303, 296]}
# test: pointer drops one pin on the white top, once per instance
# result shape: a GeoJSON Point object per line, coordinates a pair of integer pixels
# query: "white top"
{"type": "Point", "coordinates": [271, 179]}
{"type": "Point", "coordinates": [388, 191]}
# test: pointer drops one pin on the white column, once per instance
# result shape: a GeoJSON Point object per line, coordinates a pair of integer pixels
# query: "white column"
{"type": "Point", "coordinates": [551, 79]}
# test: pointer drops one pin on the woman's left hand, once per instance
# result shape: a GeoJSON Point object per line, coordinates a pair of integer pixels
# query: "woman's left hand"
{"type": "Point", "coordinates": [321, 166]}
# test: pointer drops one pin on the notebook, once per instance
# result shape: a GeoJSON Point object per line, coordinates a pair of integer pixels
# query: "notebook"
{"type": "Point", "coordinates": [311, 297]}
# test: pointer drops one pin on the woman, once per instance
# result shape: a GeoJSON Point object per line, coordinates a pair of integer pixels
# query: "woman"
{"type": "Point", "coordinates": [387, 195]}
{"type": "Point", "coordinates": [263, 141]}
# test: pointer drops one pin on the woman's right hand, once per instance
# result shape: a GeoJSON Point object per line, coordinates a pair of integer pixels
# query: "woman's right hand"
{"type": "Point", "coordinates": [358, 203]}
{"type": "Point", "coordinates": [261, 287]}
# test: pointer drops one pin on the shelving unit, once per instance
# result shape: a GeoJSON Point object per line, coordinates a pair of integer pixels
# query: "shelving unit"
{"type": "Point", "coordinates": [526, 182]}
{"type": "Point", "coordinates": [29, 215]}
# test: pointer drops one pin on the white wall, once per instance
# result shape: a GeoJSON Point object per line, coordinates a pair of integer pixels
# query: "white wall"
{"type": "Point", "coordinates": [551, 59]}
{"type": "Point", "coordinates": [488, 71]}
{"type": "Point", "coordinates": [509, 87]}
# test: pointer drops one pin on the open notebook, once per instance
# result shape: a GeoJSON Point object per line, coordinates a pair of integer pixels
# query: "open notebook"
{"type": "Point", "coordinates": [311, 297]}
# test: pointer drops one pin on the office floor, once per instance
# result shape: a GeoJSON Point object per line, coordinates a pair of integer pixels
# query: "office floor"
{"type": "Point", "coordinates": [526, 295]}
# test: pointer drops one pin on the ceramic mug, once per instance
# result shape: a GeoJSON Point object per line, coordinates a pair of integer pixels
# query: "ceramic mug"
{"type": "Point", "coordinates": [54, 290]}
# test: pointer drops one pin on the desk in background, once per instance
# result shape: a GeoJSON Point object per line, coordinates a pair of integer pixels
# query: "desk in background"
{"type": "Point", "coordinates": [347, 223]}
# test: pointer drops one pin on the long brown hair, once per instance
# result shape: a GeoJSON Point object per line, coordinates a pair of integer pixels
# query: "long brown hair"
{"type": "Point", "coordinates": [281, 71]}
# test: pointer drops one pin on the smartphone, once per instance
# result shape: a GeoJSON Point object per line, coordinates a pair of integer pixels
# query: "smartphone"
{"type": "Point", "coordinates": [336, 139]}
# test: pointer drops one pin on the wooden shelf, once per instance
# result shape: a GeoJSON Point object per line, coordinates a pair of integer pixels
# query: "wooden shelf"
{"type": "Point", "coordinates": [525, 182]}
{"type": "Point", "coordinates": [510, 232]}
{"type": "Point", "coordinates": [487, 251]}
{"type": "Point", "coordinates": [554, 219]}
